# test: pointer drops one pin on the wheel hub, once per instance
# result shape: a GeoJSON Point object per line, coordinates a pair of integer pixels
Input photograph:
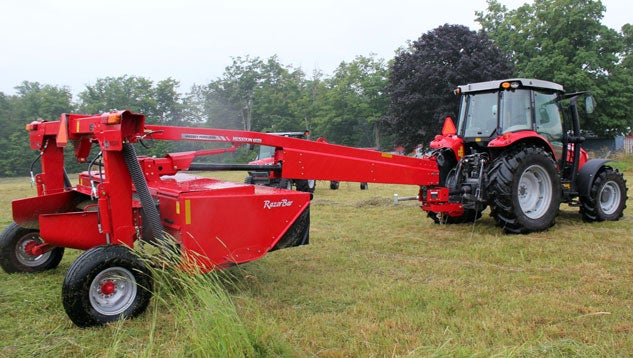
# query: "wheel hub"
{"type": "Point", "coordinates": [29, 248]}
{"type": "Point", "coordinates": [107, 288]}
{"type": "Point", "coordinates": [609, 198]}
{"type": "Point", "coordinates": [534, 192]}
{"type": "Point", "coordinates": [113, 291]}
{"type": "Point", "coordinates": [27, 251]}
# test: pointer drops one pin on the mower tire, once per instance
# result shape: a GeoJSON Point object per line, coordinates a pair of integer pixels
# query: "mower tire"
{"type": "Point", "coordinates": [607, 197]}
{"type": "Point", "coordinates": [524, 190]}
{"type": "Point", "coordinates": [14, 251]}
{"type": "Point", "coordinates": [105, 284]}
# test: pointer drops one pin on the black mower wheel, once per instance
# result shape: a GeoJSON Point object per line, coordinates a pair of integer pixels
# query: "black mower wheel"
{"type": "Point", "coordinates": [15, 256]}
{"type": "Point", "coordinates": [524, 190]}
{"type": "Point", "coordinates": [607, 197]}
{"type": "Point", "coordinates": [105, 284]}
{"type": "Point", "coordinates": [334, 185]}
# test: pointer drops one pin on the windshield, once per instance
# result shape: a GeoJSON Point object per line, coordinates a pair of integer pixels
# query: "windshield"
{"type": "Point", "coordinates": [478, 116]}
{"type": "Point", "coordinates": [265, 152]}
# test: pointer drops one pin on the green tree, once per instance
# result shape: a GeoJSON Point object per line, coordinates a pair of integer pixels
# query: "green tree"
{"type": "Point", "coordinates": [136, 94]}
{"type": "Point", "coordinates": [424, 76]}
{"type": "Point", "coordinates": [170, 104]}
{"type": "Point", "coordinates": [564, 41]}
{"type": "Point", "coordinates": [252, 94]}
{"type": "Point", "coordinates": [354, 102]}
{"type": "Point", "coordinates": [32, 101]}
{"type": "Point", "coordinates": [276, 98]}
{"type": "Point", "coordinates": [230, 99]}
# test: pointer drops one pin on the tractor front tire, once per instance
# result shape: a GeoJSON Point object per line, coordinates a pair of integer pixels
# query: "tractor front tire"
{"type": "Point", "coordinates": [307, 186]}
{"type": "Point", "coordinates": [105, 284]}
{"type": "Point", "coordinates": [524, 190]}
{"type": "Point", "coordinates": [607, 197]}
{"type": "Point", "coordinates": [14, 251]}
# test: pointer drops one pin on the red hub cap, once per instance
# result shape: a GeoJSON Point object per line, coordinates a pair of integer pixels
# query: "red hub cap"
{"type": "Point", "coordinates": [107, 288]}
{"type": "Point", "coordinates": [30, 247]}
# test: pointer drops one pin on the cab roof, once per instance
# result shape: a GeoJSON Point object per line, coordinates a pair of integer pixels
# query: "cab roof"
{"type": "Point", "coordinates": [523, 82]}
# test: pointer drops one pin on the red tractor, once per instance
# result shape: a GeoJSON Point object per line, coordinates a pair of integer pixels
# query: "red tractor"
{"type": "Point", "coordinates": [510, 151]}
{"type": "Point", "coordinates": [266, 156]}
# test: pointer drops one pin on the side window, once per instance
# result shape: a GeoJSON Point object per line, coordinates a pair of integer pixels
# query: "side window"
{"type": "Point", "coordinates": [481, 116]}
{"type": "Point", "coordinates": [516, 111]}
{"type": "Point", "coordinates": [548, 116]}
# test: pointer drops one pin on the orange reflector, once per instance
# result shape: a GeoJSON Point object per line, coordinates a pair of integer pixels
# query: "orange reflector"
{"type": "Point", "coordinates": [449, 127]}
{"type": "Point", "coordinates": [114, 118]}
{"type": "Point", "coordinates": [505, 85]}
{"type": "Point", "coordinates": [62, 133]}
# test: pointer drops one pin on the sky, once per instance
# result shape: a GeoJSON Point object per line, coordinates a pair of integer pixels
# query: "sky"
{"type": "Point", "coordinates": [72, 43]}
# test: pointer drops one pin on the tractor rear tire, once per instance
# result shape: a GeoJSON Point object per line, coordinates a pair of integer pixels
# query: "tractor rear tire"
{"type": "Point", "coordinates": [607, 197]}
{"type": "Point", "coordinates": [14, 256]}
{"type": "Point", "coordinates": [524, 190]}
{"type": "Point", "coordinates": [105, 284]}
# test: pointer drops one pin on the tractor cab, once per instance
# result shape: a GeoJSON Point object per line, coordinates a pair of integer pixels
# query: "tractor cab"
{"type": "Point", "coordinates": [496, 108]}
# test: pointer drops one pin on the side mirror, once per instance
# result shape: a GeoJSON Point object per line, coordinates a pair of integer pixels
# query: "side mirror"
{"type": "Point", "coordinates": [590, 104]}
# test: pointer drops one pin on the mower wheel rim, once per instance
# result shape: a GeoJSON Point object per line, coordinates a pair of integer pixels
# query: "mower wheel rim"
{"type": "Point", "coordinates": [22, 254]}
{"type": "Point", "coordinates": [609, 198]}
{"type": "Point", "coordinates": [121, 291]}
{"type": "Point", "coordinates": [535, 191]}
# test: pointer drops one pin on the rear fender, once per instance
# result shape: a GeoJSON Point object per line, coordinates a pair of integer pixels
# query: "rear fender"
{"type": "Point", "coordinates": [587, 174]}
{"type": "Point", "coordinates": [509, 139]}
{"type": "Point", "coordinates": [453, 142]}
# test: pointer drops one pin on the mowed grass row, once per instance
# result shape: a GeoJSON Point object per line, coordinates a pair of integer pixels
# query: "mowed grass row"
{"type": "Point", "coordinates": [376, 280]}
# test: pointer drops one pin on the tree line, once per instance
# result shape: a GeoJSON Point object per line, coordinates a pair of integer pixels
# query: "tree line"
{"type": "Point", "coordinates": [369, 101]}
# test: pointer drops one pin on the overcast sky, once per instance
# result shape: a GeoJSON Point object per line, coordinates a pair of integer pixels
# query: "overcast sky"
{"type": "Point", "coordinates": [75, 42]}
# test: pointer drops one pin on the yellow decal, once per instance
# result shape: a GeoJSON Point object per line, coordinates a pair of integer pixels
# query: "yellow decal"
{"type": "Point", "coordinates": [387, 155]}
{"type": "Point", "coordinates": [460, 151]}
{"type": "Point", "coordinates": [178, 207]}
{"type": "Point", "coordinates": [77, 129]}
{"type": "Point", "coordinates": [477, 139]}
{"type": "Point", "coordinates": [187, 212]}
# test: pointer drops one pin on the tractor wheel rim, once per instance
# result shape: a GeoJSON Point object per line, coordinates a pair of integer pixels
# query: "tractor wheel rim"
{"type": "Point", "coordinates": [23, 254]}
{"type": "Point", "coordinates": [609, 198]}
{"type": "Point", "coordinates": [113, 291]}
{"type": "Point", "coordinates": [534, 191]}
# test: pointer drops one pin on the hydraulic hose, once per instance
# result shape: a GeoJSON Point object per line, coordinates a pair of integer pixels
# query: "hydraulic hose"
{"type": "Point", "coordinates": [152, 217]}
